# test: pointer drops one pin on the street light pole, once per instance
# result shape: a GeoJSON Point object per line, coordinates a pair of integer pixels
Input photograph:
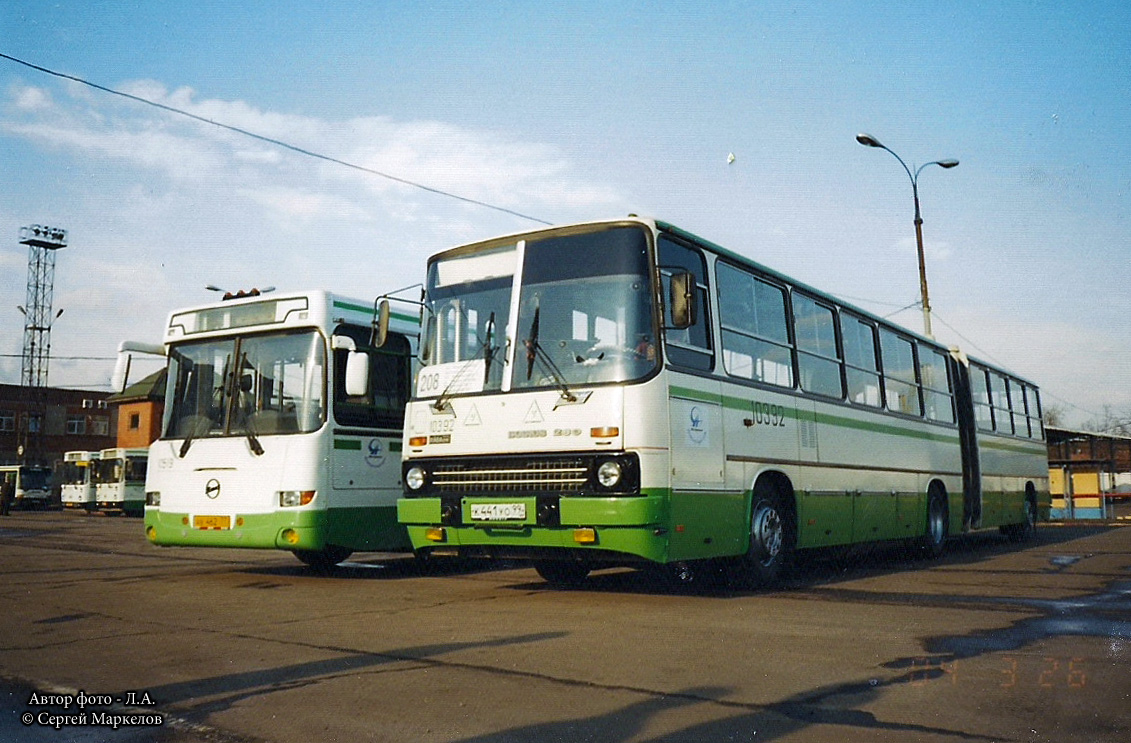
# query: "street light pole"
{"type": "Point", "coordinates": [869, 141]}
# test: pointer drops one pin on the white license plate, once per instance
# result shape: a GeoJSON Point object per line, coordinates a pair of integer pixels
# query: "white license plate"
{"type": "Point", "coordinates": [498, 511]}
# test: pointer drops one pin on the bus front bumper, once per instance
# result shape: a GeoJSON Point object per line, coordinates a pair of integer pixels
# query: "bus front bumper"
{"type": "Point", "coordinates": [602, 529]}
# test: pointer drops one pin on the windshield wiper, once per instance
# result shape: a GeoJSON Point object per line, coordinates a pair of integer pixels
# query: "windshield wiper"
{"type": "Point", "coordinates": [534, 351]}
{"type": "Point", "coordinates": [238, 414]}
{"type": "Point", "coordinates": [197, 424]}
{"type": "Point", "coordinates": [489, 351]}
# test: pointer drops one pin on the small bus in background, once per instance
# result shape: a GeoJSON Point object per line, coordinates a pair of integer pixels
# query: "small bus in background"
{"type": "Point", "coordinates": [76, 479]}
{"type": "Point", "coordinates": [119, 480]}
{"type": "Point", "coordinates": [31, 485]}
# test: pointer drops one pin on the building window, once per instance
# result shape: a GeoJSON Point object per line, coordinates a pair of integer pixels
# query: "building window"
{"type": "Point", "coordinates": [76, 425]}
{"type": "Point", "coordinates": [100, 426]}
{"type": "Point", "coordinates": [7, 420]}
{"type": "Point", "coordinates": [135, 421]}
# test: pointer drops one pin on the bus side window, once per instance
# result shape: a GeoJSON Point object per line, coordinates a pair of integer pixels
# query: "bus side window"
{"type": "Point", "coordinates": [938, 399]}
{"type": "Point", "coordinates": [999, 400]}
{"type": "Point", "coordinates": [900, 385]}
{"type": "Point", "coordinates": [818, 363]}
{"type": "Point", "coordinates": [389, 375]}
{"type": "Point", "coordinates": [862, 371]}
{"type": "Point", "coordinates": [1017, 405]}
{"type": "Point", "coordinates": [980, 390]}
{"type": "Point", "coordinates": [755, 328]}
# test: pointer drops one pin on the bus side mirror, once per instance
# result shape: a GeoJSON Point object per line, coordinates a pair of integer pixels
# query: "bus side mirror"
{"type": "Point", "coordinates": [357, 374]}
{"type": "Point", "coordinates": [382, 324]}
{"type": "Point", "coordinates": [357, 366]}
{"type": "Point", "coordinates": [682, 300]}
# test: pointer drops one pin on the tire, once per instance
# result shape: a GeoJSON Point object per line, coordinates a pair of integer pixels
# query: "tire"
{"type": "Point", "coordinates": [562, 573]}
{"type": "Point", "coordinates": [1024, 531]}
{"type": "Point", "coordinates": [772, 538]}
{"type": "Point", "coordinates": [324, 559]}
{"type": "Point", "coordinates": [933, 541]}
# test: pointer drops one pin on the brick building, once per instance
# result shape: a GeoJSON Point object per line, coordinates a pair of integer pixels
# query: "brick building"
{"type": "Point", "coordinates": [139, 409]}
{"type": "Point", "coordinates": [64, 420]}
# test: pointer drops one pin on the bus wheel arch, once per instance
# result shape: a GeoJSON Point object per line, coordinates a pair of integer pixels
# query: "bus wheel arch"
{"type": "Point", "coordinates": [773, 529]}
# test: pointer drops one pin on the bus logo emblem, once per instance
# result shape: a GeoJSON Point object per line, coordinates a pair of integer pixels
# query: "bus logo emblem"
{"type": "Point", "coordinates": [376, 456]}
{"type": "Point", "coordinates": [696, 433]}
{"type": "Point", "coordinates": [212, 489]}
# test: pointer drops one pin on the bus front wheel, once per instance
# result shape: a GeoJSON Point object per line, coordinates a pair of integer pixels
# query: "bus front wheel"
{"type": "Point", "coordinates": [323, 559]}
{"type": "Point", "coordinates": [562, 573]}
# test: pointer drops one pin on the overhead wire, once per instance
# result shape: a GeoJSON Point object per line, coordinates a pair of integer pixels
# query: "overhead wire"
{"type": "Point", "coordinates": [272, 140]}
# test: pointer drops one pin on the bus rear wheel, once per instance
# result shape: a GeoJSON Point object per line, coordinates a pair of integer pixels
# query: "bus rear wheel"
{"type": "Point", "coordinates": [934, 539]}
{"type": "Point", "coordinates": [325, 558]}
{"type": "Point", "coordinates": [1024, 531]}
{"type": "Point", "coordinates": [562, 573]}
{"type": "Point", "coordinates": [771, 538]}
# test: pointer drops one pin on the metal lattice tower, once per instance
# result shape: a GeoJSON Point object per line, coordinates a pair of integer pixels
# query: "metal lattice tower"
{"type": "Point", "coordinates": [42, 244]}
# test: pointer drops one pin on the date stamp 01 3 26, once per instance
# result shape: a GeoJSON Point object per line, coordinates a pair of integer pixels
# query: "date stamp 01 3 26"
{"type": "Point", "coordinates": [60, 711]}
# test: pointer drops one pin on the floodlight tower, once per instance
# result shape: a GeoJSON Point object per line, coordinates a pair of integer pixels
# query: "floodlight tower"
{"type": "Point", "coordinates": [42, 242]}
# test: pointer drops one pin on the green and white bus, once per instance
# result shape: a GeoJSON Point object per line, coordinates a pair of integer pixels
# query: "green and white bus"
{"type": "Point", "coordinates": [626, 393]}
{"type": "Point", "coordinates": [119, 480]}
{"type": "Point", "coordinates": [76, 489]}
{"type": "Point", "coordinates": [281, 427]}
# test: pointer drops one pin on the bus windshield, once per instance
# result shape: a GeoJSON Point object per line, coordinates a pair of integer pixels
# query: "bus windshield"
{"type": "Point", "coordinates": [583, 315]}
{"type": "Point", "coordinates": [249, 385]}
{"type": "Point", "coordinates": [35, 478]}
{"type": "Point", "coordinates": [73, 473]}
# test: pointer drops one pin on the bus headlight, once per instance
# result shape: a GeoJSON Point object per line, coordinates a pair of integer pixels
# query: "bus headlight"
{"type": "Point", "coordinates": [415, 477]}
{"type": "Point", "coordinates": [153, 498]}
{"type": "Point", "coordinates": [293, 498]}
{"type": "Point", "coordinates": [609, 474]}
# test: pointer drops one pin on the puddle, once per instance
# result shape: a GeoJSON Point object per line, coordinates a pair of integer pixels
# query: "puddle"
{"type": "Point", "coordinates": [1106, 615]}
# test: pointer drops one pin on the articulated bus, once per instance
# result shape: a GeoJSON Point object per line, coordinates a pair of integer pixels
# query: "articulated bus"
{"type": "Point", "coordinates": [282, 427]}
{"type": "Point", "coordinates": [119, 480]}
{"type": "Point", "coordinates": [626, 393]}
{"type": "Point", "coordinates": [76, 482]}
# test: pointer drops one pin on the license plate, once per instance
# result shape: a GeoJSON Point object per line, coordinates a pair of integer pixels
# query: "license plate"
{"type": "Point", "coordinates": [212, 522]}
{"type": "Point", "coordinates": [498, 511]}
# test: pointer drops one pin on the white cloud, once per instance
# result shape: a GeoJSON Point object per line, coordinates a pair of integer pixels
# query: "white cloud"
{"type": "Point", "coordinates": [32, 99]}
{"type": "Point", "coordinates": [158, 205]}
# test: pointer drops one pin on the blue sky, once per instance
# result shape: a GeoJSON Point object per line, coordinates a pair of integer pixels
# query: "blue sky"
{"type": "Point", "coordinates": [580, 110]}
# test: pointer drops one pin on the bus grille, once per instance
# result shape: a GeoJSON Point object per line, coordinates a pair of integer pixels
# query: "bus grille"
{"type": "Point", "coordinates": [567, 475]}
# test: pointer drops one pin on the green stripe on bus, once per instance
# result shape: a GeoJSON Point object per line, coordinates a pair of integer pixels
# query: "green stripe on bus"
{"type": "Point", "coordinates": [338, 304]}
{"type": "Point", "coordinates": [744, 404]}
{"type": "Point", "coordinates": [348, 444]}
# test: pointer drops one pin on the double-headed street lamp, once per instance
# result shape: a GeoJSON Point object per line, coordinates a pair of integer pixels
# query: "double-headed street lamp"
{"type": "Point", "coordinates": [869, 141]}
